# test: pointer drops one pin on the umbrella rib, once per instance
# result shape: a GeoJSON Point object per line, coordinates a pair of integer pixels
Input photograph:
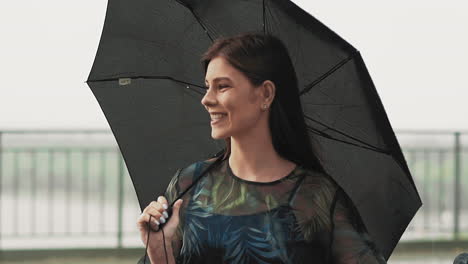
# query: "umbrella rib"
{"type": "Point", "coordinates": [153, 77]}
{"type": "Point", "coordinates": [321, 133]}
{"type": "Point", "coordinates": [328, 73]}
{"type": "Point", "coordinates": [198, 20]}
{"type": "Point", "coordinates": [145, 77]}
{"type": "Point", "coordinates": [366, 145]}
{"type": "Point", "coordinates": [263, 4]}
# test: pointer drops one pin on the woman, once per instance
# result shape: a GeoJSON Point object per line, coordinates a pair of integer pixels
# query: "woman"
{"type": "Point", "coordinates": [268, 199]}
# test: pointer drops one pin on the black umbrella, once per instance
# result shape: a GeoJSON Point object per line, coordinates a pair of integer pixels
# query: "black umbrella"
{"type": "Point", "coordinates": [149, 82]}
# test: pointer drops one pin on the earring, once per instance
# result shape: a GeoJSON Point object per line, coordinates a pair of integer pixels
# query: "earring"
{"type": "Point", "coordinates": [265, 107]}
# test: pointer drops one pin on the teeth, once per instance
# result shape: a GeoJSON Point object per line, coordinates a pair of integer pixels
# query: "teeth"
{"type": "Point", "coordinates": [217, 116]}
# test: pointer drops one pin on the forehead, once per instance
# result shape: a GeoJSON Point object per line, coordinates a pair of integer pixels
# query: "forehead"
{"type": "Point", "coordinates": [219, 69]}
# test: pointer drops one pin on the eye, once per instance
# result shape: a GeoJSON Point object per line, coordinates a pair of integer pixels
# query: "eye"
{"type": "Point", "coordinates": [220, 87]}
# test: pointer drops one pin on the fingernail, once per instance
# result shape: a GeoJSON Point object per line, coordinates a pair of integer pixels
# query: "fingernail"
{"type": "Point", "coordinates": [156, 222]}
{"type": "Point", "coordinates": [162, 219]}
{"type": "Point", "coordinates": [165, 206]}
{"type": "Point", "coordinates": [165, 214]}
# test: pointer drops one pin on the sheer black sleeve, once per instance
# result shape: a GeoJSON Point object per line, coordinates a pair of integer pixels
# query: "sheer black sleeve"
{"type": "Point", "coordinates": [350, 242]}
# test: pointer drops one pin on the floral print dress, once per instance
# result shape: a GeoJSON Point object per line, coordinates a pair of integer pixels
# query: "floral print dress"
{"type": "Point", "coordinates": [303, 217]}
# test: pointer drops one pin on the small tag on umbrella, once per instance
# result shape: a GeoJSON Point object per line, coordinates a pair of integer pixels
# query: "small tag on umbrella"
{"type": "Point", "coordinates": [125, 81]}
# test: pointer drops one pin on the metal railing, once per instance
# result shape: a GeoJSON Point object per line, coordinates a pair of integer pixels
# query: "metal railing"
{"type": "Point", "coordinates": [436, 165]}
{"type": "Point", "coordinates": [72, 187]}
{"type": "Point", "coordinates": [63, 188]}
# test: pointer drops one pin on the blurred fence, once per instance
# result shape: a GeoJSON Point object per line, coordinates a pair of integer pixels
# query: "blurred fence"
{"type": "Point", "coordinates": [71, 189]}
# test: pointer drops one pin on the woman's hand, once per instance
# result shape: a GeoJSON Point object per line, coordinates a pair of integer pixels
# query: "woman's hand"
{"type": "Point", "coordinates": [157, 210]}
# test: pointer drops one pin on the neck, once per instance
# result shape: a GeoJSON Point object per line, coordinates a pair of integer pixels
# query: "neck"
{"type": "Point", "coordinates": [254, 158]}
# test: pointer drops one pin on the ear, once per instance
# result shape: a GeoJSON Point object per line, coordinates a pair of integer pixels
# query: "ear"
{"type": "Point", "coordinates": [267, 92]}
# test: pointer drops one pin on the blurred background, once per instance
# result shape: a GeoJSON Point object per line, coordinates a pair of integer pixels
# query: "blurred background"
{"type": "Point", "coordinates": [65, 193]}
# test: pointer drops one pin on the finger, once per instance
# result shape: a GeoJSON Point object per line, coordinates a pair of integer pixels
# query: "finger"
{"type": "Point", "coordinates": [177, 206]}
{"type": "Point", "coordinates": [162, 200]}
{"type": "Point", "coordinates": [157, 205]}
{"type": "Point", "coordinates": [151, 204]}
{"type": "Point", "coordinates": [173, 221]}
{"type": "Point", "coordinates": [154, 224]}
{"type": "Point", "coordinates": [156, 209]}
{"type": "Point", "coordinates": [162, 217]}
{"type": "Point", "coordinates": [145, 218]}
{"type": "Point", "coordinates": [155, 228]}
{"type": "Point", "coordinates": [157, 214]}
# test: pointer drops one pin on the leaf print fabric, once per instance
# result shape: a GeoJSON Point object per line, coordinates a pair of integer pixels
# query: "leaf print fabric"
{"type": "Point", "coordinates": [303, 217]}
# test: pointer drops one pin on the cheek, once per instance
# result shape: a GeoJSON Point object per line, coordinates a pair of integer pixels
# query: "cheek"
{"type": "Point", "coordinates": [252, 98]}
{"type": "Point", "coordinates": [242, 111]}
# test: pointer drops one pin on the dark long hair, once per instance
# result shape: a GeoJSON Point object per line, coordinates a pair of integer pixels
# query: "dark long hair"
{"type": "Point", "coordinates": [261, 57]}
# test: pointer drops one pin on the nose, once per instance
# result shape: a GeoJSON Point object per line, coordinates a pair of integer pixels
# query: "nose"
{"type": "Point", "coordinates": [208, 99]}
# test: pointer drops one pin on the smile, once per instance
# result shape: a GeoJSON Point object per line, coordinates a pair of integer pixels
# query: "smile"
{"type": "Point", "coordinates": [215, 119]}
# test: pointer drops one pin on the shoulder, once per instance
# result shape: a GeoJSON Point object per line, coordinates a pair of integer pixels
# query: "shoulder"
{"type": "Point", "coordinates": [313, 201]}
{"type": "Point", "coordinates": [321, 189]}
{"type": "Point", "coordinates": [186, 175]}
{"type": "Point", "coordinates": [316, 194]}
{"type": "Point", "coordinates": [195, 166]}
{"type": "Point", "coordinates": [318, 185]}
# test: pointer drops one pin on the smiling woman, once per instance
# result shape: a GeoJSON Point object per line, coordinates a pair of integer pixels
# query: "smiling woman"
{"type": "Point", "coordinates": [268, 199]}
{"type": "Point", "coordinates": [234, 102]}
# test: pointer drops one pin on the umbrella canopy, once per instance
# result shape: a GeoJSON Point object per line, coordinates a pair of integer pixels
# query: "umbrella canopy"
{"type": "Point", "coordinates": [149, 82]}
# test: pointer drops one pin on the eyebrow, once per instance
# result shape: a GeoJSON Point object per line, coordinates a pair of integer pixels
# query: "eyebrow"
{"type": "Point", "coordinates": [218, 79]}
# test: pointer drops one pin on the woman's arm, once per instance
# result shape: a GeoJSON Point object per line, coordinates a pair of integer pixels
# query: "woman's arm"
{"type": "Point", "coordinates": [157, 255]}
{"type": "Point", "coordinates": [350, 242]}
{"type": "Point", "coordinates": [164, 249]}
{"type": "Point", "coordinates": [156, 252]}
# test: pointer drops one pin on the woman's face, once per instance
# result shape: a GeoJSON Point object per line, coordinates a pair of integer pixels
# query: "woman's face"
{"type": "Point", "coordinates": [230, 93]}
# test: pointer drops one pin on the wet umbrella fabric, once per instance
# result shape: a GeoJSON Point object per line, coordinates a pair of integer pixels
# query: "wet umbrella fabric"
{"type": "Point", "coordinates": [148, 80]}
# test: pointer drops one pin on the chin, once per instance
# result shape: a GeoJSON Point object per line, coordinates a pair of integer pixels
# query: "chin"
{"type": "Point", "coordinates": [216, 135]}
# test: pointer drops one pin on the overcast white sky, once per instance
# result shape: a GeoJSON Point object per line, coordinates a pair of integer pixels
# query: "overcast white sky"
{"type": "Point", "coordinates": [416, 52]}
